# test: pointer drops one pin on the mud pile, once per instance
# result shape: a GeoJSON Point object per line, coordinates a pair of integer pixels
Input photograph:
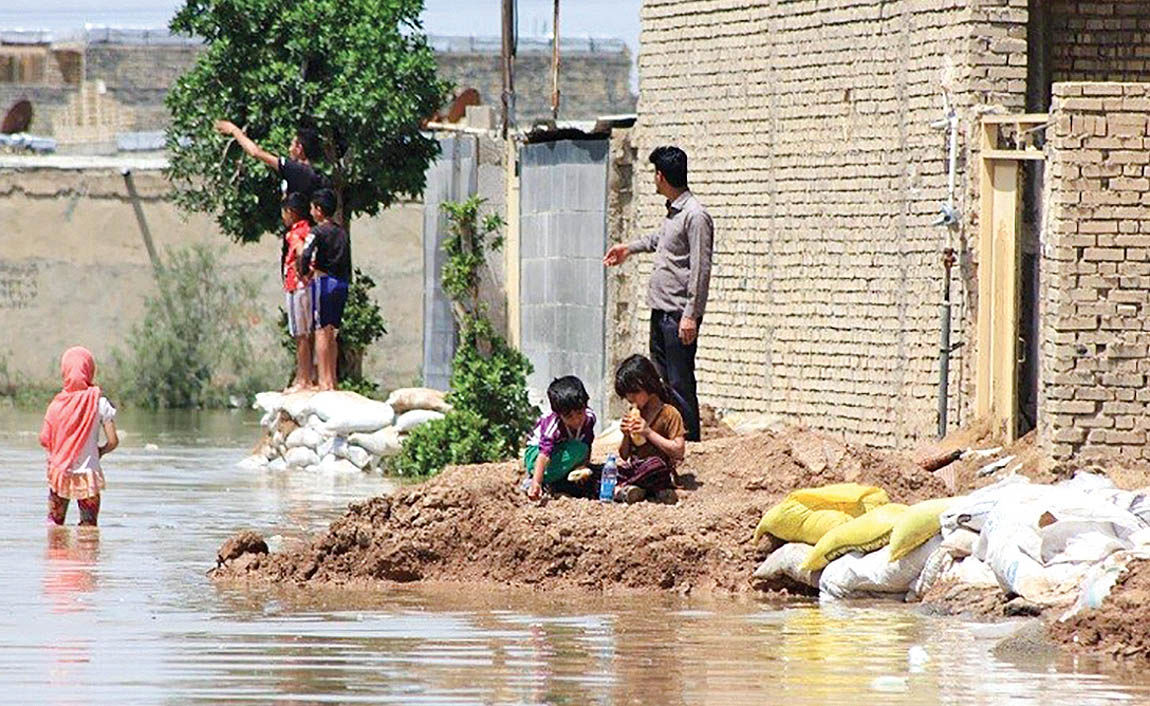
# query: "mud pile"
{"type": "Point", "coordinates": [1121, 626]}
{"type": "Point", "coordinates": [470, 524]}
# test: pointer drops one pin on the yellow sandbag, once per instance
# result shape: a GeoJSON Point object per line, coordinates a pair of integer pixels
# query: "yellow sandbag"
{"type": "Point", "coordinates": [865, 534]}
{"type": "Point", "coordinates": [791, 521]}
{"type": "Point", "coordinates": [916, 526]}
{"type": "Point", "coordinates": [851, 498]}
{"type": "Point", "coordinates": [809, 513]}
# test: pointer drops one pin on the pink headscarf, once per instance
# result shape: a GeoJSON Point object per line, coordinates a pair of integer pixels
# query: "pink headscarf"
{"type": "Point", "coordinates": [71, 414]}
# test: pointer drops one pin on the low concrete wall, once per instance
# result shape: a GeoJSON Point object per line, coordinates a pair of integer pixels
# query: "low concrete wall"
{"type": "Point", "coordinates": [74, 269]}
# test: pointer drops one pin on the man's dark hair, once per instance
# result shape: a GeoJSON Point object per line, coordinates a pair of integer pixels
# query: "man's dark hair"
{"type": "Point", "coordinates": [297, 204]}
{"type": "Point", "coordinates": [672, 162]}
{"type": "Point", "coordinates": [309, 141]}
{"type": "Point", "coordinates": [567, 395]}
{"type": "Point", "coordinates": [325, 199]}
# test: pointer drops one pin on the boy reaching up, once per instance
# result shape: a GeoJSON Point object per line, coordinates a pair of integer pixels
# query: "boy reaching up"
{"type": "Point", "coordinates": [561, 441]}
{"type": "Point", "coordinates": [296, 172]}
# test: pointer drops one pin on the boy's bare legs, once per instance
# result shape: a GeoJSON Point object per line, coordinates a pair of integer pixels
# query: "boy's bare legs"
{"type": "Point", "coordinates": [304, 365]}
{"type": "Point", "coordinates": [326, 355]}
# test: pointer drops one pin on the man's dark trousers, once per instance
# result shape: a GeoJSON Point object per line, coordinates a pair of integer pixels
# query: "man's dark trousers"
{"type": "Point", "coordinates": [676, 363]}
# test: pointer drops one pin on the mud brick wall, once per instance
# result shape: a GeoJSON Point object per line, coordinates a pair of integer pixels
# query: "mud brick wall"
{"type": "Point", "coordinates": [590, 84]}
{"type": "Point", "coordinates": [1100, 41]}
{"type": "Point", "coordinates": [807, 126]}
{"type": "Point", "coordinates": [1094, 401]}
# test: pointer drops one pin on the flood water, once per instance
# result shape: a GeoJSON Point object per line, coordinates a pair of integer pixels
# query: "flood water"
{"type": "Point", "coordinates": [125, 614]}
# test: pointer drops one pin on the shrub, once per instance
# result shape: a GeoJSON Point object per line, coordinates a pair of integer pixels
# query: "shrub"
{"type": "Point", "coordinates": [194, 347]}
{"type": "Point", "coordinates": [491, 414]}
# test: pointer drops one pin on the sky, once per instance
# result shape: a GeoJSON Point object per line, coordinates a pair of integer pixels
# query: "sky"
{"type": "Point", "coordinates": [578, 18]}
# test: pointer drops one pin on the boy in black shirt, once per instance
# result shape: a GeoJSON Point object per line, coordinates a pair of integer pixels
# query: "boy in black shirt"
{"type": "Point", "coordinates": [329, 254]}
{"type": "Point", "coordinates": [297, 174]}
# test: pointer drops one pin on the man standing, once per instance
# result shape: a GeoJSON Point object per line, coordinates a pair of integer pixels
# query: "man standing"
{"type": "Point", "coordinates": [677, 293]}
{"type": "Point", "coordinates": [296, 172]}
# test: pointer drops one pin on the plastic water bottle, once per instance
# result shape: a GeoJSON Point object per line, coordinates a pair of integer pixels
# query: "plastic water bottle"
{"type": "Point", "coordinates": [608, 479]}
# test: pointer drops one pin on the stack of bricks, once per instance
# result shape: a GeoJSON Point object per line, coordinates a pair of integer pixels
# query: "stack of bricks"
{"type": "Point", "coordinates": [1094, 403]}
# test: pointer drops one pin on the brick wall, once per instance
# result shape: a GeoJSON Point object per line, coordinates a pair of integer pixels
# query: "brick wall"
{"type": "Point", "coordinates": [590, 84]}
{"type": "Point", "coordinates": [1100, 41]}
{"type": "Point", "coordinates": [808, 129]}
{"type": "Point", "coordinates": [1094, 403]}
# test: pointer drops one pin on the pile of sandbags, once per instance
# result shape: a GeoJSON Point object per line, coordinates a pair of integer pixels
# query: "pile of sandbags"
{"type": "Point", "coordinates": [339, 431]}
{"type": "Point", "coordinates": [1049, 544]}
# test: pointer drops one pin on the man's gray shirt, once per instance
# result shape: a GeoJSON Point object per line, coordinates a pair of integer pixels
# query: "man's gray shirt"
{"type": "Point", "coordinates": [683, 247]}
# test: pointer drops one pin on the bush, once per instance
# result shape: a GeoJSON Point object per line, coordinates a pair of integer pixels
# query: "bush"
{"type": "Point", "coordinates": [194, 347]}
{"type": "Point", "coordinates": [491, 414]}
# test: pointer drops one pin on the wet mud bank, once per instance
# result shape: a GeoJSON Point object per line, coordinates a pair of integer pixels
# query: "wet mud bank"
{"type": "Point", "coordinates": [470, 524]}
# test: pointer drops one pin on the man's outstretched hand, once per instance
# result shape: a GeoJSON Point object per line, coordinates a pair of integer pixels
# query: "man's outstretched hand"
{"type": "Point", "coordinates": [617, 255]}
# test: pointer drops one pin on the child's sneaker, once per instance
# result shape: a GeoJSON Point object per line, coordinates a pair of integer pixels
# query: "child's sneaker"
{"type": "Point", "coordinates": [667, 496]}
{"type": "Point", "coordinates": [579, 475]}
{"type": "Point", "coordinates": [630, 494]}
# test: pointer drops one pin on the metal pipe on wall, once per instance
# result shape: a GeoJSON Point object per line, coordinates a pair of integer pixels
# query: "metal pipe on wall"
{"type": "Point", "coordinates": [948, 218]}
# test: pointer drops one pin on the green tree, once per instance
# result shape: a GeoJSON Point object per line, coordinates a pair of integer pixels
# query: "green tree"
{"type": "Point", "coordinates": [359, 71]}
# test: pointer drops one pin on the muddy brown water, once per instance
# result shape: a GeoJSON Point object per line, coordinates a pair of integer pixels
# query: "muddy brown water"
{"type": "Point", "coordinates": [125, 614]}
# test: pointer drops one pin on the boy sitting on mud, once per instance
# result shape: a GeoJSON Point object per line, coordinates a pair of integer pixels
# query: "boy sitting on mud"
{"type": "Point", "coordinates": [561, 441]}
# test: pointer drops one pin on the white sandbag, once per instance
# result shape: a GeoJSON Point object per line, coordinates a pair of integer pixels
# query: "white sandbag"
{"type": "Point", "coordinates": [297, 406]}
{"type": "Point", "coordinates": [337, 466]}
{"type": "Point", "coordinates": [1042, 547]}
{"type": "Point", "coordinates": [360, 457]}
{"type": "Point", "coordinates": [858, 573]}
{"type": "Point", "coordinates": [409, 398]}
{"type": "Point", "coordinates": [971, 510]}
{"type": "Point", "coordinates": [363, 415]}
{"type": "Point", "coordinates": [937, 565]}
{"type": "Point", "coordinates": [304, 436]}
{"type": "Point", "coordinates": [960, 542]}
{"type": "Point", "coordinates": [277, 465]}
{"type": "Point", "coordinates": [301, 457]}
{"type": "Point", "coordinates": [384, 443]}
{"type": "Point", "coordinates": [270, 420]}
{"type": "Point", "coordinates": [973, 572]}
{"type": "Point", "coordinates": [313, 422]}
{"type": "Point", "coordinates": [786, 561]}
{"type": "Point", "coordinates": [254, 462]}
{"type": "Point", "coordinates": [269, 402]}
{"type": "Point", "coordinates": [416, 417]}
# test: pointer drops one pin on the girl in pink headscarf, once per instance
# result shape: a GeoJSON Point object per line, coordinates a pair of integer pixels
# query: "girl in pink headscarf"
{"type": "Point", "coordinates": [70, 434]}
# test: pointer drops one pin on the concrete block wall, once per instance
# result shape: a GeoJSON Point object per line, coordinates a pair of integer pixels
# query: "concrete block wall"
{"type": "Point", "coordinates": [807, 126]}
{"type": "Point", "coordinates": [1094, 403]}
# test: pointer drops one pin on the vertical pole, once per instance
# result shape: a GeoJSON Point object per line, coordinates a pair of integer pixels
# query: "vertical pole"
{"type": "Point", "coordinates": [555, 64]}
{"type": "Point", "coordinates": [944, 351]}
{"type": "Point", "coordinates": [508, 65]}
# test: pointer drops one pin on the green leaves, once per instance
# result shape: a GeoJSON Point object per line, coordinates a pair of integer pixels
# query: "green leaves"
{"type": "Point", "coordinates": [359, 71]}
{"type": "Point", "coordinates": [491, 414]}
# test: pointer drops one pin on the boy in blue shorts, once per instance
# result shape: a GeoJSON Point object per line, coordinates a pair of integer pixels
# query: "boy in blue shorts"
{"type": "Point", "coordinates": [329, 255]}
{"type": "Point", "coordinates": [561, 441]}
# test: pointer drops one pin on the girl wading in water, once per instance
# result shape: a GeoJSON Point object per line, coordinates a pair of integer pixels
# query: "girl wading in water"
{"type": "Point", "coordinates": [70, 434]}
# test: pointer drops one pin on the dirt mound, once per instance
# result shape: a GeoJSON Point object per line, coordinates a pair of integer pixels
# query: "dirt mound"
{"type": "Point", "coordinates": [471, 524]}
{"type": "Point", "coordinates": [1119, 627]}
